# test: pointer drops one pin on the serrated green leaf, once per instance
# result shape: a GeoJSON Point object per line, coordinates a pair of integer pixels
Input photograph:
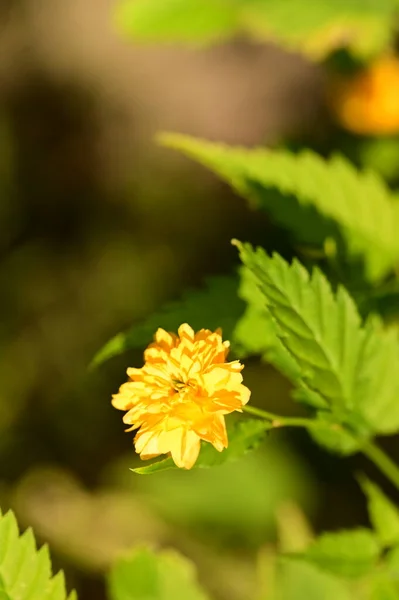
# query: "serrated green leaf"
{"type": "Point", "coordinates": [384, 515]}
{"type": "Point", "coordinates": [146, 575]}
{"type": "Point", "coordinates": [25, 573]}
{"type": "Point", "coordinates": [345, 553]}
{"type": "Point", "coordinates": [346, 368]}
{"type": "Point", "coordinates": [304, 221]}
{"type": "Point", "coordinates": [254, 332]}
{"type": "Point", "coordinates": [243, 436]}
{"type": "Point", "coordinates": [358, 202]}
{"type": "Point", "coordinates": [216, 306]}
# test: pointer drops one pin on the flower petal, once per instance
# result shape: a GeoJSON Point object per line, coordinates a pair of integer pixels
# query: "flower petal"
{"type": "Point", "coordinates": [181, 394]}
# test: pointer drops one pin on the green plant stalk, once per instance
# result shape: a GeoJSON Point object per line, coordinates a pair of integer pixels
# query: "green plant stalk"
{"type": "Point", "coordinates": [373, 452]}
{"type": "Point", "coordinates": [279, 421]}
{"type": "Point", "coordinates": [382, 461]}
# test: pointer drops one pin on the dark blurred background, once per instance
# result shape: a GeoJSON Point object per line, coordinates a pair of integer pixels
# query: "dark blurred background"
{"type": "Point", "coordinates": [99, 227]}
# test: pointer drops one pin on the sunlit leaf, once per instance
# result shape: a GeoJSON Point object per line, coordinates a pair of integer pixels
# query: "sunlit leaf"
{"type": "Point", "coordinates": [348, 370]}
{"type": "Point", "coordinates": [254, 332]}
{"type": "Point", "coordinates": [25, 572]}
{"type": "Point", "coordinates": [358, 203]}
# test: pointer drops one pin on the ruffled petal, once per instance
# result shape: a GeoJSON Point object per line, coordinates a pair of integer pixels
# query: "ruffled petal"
{"type": "Point", "coordinates": [181, 394]}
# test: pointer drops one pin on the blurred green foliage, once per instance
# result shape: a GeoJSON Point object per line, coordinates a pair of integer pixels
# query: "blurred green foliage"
{"type": "Point", "coordinates": [82, 259]}
{"type": "Point", "coordinates": [144, 575]}
{"type": "Point", "coordinates": [313, 27]}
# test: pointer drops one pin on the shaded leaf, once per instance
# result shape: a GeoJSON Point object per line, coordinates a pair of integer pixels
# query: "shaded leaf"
{"type": "Point", "coordinates": [332, 436]}
{"type": "Point", "coordinates": [243, 436]}
{"type": "Point", "coordinates": [216, 306]}
{"type": "Point", "coordinates": [358, 202]}
{"type": "Point", "coordinates": [209, 500]}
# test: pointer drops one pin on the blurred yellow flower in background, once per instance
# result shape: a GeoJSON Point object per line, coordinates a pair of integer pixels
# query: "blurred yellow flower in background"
{"type": "Point", "coordinates": [368, 103]}
{"type": "Point", "coordinates": [181, 394]}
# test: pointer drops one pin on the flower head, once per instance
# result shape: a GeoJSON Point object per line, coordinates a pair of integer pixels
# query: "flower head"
{"type": "Point", "coordinates": [368, 103]}
{"type": "Point", "coordinates": [181, 394]}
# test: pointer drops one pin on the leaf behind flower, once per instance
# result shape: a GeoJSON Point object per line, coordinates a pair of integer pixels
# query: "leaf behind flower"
{"type": "Point", "coordinates": [243, 436]}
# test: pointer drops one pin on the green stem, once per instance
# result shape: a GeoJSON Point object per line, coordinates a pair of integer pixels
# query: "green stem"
{"type": "Point", "coordinates": [371, 450]}
{"type": "Point", "coordinates": [383, 462]}
{"type": "Point", "coordinates": [278, 420]}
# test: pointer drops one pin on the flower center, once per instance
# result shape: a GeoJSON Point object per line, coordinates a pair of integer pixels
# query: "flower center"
{"type": "Point", "coordinates": [183, 388]}
{"type": "Point", "coordinates": [178, 385]}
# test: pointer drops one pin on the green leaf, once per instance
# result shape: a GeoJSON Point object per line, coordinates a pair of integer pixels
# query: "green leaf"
{"type": "Point", "coordinates": [347, 370]}
{"type": "Point", "coordinates": [384, 515]}
{"type": "Point", "coordinates": [357, 202]}
{"type": "Point", "coordinates": [381, 155]}
{"type": "Point", "coordinates": [333, 437]}
{"type": "Point", "coordinates": [312, 28]}
{"type": "Point", "coordinates": [383, 582]}
{"type": "Point", "coordinates": [25, 573]}
{"type": "Point", "coordinates": [254, 332]}
{"type": "Point", "coordinates": [392, 562]}
{"type": "Point", "coordinates": [316, 28]}
{"type": "Point", "coordinates": [243, 436]}
{"type": "Point", "coordinates": [382, 588]}
{"type": "Point", "coordinates": [345, 553]}
{"type": "Point", "coordinates": [186, 21]}
{"type": "Point", "coordinates": [299, 580]}
{"type": "Point", "coordinates": [209, 500]}
{"type": "Point", "coordinates": [216, 306]}
{"type": "Point", "coordinates": [144, 575]}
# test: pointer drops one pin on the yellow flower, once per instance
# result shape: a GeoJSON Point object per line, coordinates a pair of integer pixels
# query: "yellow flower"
{"type": "Point", "coordinates": [368, 103]}
{"type": "Point", "coordinates": [181, 394]}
